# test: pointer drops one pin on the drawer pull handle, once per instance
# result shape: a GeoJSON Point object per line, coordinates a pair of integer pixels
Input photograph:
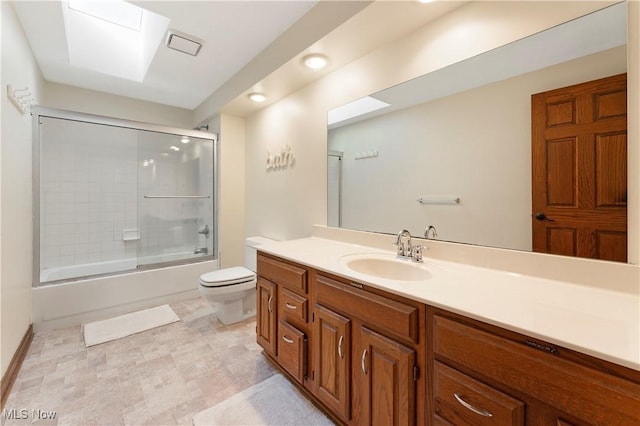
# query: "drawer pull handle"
{"type": "Point", "coordinates": [363, 362]}
{"type": "Point", "coordinates": [340, 353]}
{"type": "Point", "coordinates": [290, 306]}
{"type": "Point", "coordinates": [269, 304]}
{"type": "Point", "coordinates": [468, 406]}
{"type": "Point", "coordinates": [286, 339]}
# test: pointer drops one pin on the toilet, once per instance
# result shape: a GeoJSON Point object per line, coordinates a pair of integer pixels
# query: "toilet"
{"type": "Point", "coordinates": [232, 291]}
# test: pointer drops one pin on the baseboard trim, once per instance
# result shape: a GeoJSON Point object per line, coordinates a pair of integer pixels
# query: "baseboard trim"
{"type": "Point", "coordinates": [11, 374]}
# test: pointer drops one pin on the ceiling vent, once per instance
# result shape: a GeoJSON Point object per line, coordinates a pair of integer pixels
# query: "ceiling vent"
{"type": "Point", "coordinates": [184, 43]}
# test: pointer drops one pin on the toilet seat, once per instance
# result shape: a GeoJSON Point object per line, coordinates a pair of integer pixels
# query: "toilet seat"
{"type": "Point", "coordinates": [227, 277]}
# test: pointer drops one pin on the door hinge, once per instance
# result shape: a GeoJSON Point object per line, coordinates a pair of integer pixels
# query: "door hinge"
{"type": "Point", "coordinates": [313, 317]}
{"type": "Point", "coordinates": [416, 373]}
{"type": "Point", "coordinates": [313, 374]}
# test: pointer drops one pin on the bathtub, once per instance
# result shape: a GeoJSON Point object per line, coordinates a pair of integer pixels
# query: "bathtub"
{"type": "Point", "coordinates": [112, 266]}
{"type": "Point", "coordinates": [63, 304]}
{"type": "Point", "coordinates": [75, 271]}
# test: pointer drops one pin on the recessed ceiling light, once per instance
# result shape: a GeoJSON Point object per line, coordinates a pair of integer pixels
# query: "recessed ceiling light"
{"type": "Point", "coordinates": [257, 97]}
{"type": "Point", "coordinates": [174, 148]}
{"type": "Point", "coordinates": [315, 61]}
{"type": "Point", "coordinates": [425, 1]}
{"type": "Point", "coordinates": [185, 139]}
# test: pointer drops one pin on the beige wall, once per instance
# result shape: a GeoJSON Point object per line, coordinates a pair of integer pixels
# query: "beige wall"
{"type": "Point", "coordinates": [286, 203]}
{"type": "Point", "coordinates": [19, 69]}
{"type": "Point", "coordinates": [71, 98]}
{"type": "Point", "coordinates": [231, 219]}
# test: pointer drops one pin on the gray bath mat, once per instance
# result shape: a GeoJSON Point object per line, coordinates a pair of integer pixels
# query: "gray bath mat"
{"type": "Point", "coordinates": [274, 401]}
{"type": "Point", "coordinates": [128, 324]}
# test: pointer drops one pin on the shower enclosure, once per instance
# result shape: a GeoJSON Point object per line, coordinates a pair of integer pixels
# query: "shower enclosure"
{"type": "Point", "coordinates": [114, 196]}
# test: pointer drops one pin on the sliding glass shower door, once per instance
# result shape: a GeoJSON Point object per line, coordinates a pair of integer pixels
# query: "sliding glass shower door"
{"type": "Point", "coordinates": [175, 187]}
{"type": "Point", "coordinates": [113, 196]}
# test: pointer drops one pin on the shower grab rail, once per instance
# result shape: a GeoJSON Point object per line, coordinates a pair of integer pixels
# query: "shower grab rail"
{"type": "Point", "coordinates": [177, 196]}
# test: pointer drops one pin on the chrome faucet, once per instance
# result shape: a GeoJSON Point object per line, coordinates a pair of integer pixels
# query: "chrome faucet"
{"type": "Point", "coordinates": [430, 232]}
{"type": "Point", "coordinates": [408, 251]}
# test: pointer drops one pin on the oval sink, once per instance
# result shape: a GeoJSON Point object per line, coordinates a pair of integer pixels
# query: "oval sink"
{"type": "Point", "coordinates": [386, 267]}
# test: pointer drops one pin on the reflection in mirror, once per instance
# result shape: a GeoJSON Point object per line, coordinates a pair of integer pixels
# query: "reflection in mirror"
{"type": "Point", "coordinates": [463, 132]}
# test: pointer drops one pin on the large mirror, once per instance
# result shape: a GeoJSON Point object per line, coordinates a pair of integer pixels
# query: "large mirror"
{"type": "Point", "coordinates": [452, 149]}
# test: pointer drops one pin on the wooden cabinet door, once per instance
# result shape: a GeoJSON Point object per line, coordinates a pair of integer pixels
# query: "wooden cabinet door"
{"type": "Point", "coordinates": [579, 165]}
{"type": "Point", "coordinates": [333, 360]}
{"type": "Point", "coordinates": [386, 395]}
{"type": "Point", "coordinates": [266, 316]}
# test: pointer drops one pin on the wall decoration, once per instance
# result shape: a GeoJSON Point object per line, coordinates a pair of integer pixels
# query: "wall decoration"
{"type": "Point", "coordinates": [284, 159]}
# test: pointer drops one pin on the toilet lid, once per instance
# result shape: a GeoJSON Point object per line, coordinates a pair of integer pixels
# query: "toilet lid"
{"type": "Point", "coordinates": [227, 276]}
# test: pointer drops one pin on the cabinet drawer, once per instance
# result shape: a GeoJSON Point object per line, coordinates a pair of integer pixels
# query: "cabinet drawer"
{"type": "Point", "coordinates": [292, 350]}
{"type": "Point", "coordinates": [283, 273]}
{"type": "Point", "coordinates": [537, 369]}
{"type": "Point", "coordinates": [385, 314]}
{"type": "Point", "coordinates": [461, 399]}
{"type": "Point", "coordinates": [293, 305]}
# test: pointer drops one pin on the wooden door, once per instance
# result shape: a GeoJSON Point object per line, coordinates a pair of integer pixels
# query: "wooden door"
{"type": "Point", "coordinates": [386, 395]}
{"type": "Point", "coordinates": [333, 360]}
{"type": "Point", "coordinates": [266, 316]}
{"type": "Point", "coordinates": [579, 170]}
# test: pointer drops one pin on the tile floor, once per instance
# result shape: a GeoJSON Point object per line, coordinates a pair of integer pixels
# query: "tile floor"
{"type": "Point", "coordinates": [159, 377]}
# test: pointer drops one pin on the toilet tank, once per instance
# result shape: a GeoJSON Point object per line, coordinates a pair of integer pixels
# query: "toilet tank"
{"type": "Point", "coordinates": [251, 250]}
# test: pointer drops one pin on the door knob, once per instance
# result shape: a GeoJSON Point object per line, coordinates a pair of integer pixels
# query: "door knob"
{"type": "Point", "coordinates": [542, 216]}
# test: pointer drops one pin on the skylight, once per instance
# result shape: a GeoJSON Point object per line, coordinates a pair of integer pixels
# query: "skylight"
{"type": "Point", "coordinates": [112, 36]}
{"type": "Point", "coordinates": [354, 109]}
{"type": "Point", "coordinates": [116, 12]}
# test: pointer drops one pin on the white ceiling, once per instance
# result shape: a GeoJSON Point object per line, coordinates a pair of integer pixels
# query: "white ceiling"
{"type": "Point", "coordinates": [247, 45]}
{"type": "Point", "coordinates": [234, 33]}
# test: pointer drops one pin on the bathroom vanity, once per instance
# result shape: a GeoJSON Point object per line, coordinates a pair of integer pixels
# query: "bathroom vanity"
{"type": "Point", "coordinates": [439, 346]}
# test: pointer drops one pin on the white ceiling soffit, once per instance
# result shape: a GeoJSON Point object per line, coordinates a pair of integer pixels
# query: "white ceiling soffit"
{"type": "Point", "coordinates": [598, 31]}
{"type": "Point", "coordinates": [234, 33]}
{"type": "Point", "coordinates": [379, 23]}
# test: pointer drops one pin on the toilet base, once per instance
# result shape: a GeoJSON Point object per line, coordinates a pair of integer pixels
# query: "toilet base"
{"type": "Point", "coordinates": [233, 311]}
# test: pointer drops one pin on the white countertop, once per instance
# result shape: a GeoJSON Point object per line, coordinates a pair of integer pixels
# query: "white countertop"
{"type": "Point", "coordinates": [601, 322]}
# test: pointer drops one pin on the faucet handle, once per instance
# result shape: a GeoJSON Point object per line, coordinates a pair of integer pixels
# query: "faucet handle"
{"type": "Point", "coordinates": [417, 253]}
